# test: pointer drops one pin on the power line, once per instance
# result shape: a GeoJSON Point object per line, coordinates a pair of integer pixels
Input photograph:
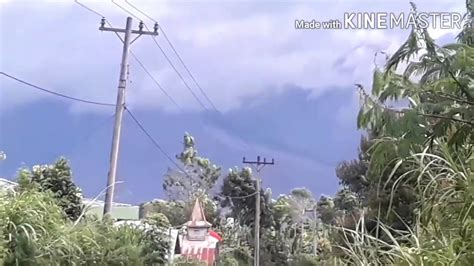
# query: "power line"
{"type": "Point", "coordinates": [157, 145]}
{"type": "Point", "coordinates": [154, 80]}
{"type": "Point", "coordinates": [189, 72]}
{"type": "Point", "coordinates": [96, 13]}
{"type": "Point", "coordinates": [128, 111]}
{"type": "Point", "coordinates": [244, 197]}
{"type": "Point", "coordinates": [133, 54]}
{"type": "Point", "coordinates": [157, 84]}
{"type": "Point", "coordinates": [195, 96]}
{"type": "Point", "coordinates": [140, 63]}
{"type": "Point", "coordinates": [177, 55]}
{"type": "Point", "coordinates": [185, 67]}
{"type": "Point", "coordinates": [169, 96]}
{"type": "Point", "coordinates": [128, 12]}
{"type": "Point", "coordinates": [151, 76]}
{"type": "Point", "coordinates": [174, 68]}
{"type": "Point", "coordinates": [56, 93]}
{"type": "Point", "coordinates": [140, 11]}
{"type": "Point", "coordinates": [89, 9]}
{"type": "Point", "coordinates": [179, 74]}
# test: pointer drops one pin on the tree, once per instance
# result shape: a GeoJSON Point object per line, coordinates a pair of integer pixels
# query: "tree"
{"type": "Point", "coordinates": [292, 214]}
{"type": "Point", "coordinates": [326, 210]}
{"type": "Point", "coordinates": [237, 193]}
{"type": "Point", "coordinates": [235, 249]}
{"type": "Point", "coordinates": [415, 172]}
{"type": "Point", "coordinates": [353, 174]}
{"type": "Point", "coordinates": [156, 241]}
{"type": "Point", "coordinates": [437, 87]}
{"type": "Point", "coordinates": [466, 36]}
{"type": "Point", "coordinates": [173, 210]}
{"type": "Point", "coordinates": [196, 180]}
{"type": "Point", "coordinates": [57, 179]}
{"type": "Point", "coordinates": [346, 201]}
{"type": "Point", "coordinates": [199, 175]}
{"type": "Point", "coordinates": [301, 203]}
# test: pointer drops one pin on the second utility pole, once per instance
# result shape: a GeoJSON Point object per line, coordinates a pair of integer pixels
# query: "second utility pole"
{"type": "Point", "coordinates": [119, 108]}
{"type": "Point", "coordinates": [259, 166]}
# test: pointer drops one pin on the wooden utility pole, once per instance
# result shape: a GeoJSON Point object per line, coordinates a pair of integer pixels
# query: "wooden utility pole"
{"type": "Point", "coordinates": [120, 106]}
{"type": "Point", "coordinates": [259, 165]}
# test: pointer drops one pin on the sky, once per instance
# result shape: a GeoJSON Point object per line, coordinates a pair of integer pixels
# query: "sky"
{"type": "Point", "coordinates": [281, 93]}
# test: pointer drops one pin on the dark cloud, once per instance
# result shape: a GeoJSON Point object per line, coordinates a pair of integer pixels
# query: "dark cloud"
{"type": "Point", "coordinates": [284, 92]}
{"type": "Point", "coordinates": [236, 49]}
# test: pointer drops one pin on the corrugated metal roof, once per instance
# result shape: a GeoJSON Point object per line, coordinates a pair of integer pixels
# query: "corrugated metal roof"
{"type": "Point", "coordinates": [117, 212]}
{"type": "Point", "coordinates": [6, 184]}
{"type": "Point", "coordinates": [94, 202]}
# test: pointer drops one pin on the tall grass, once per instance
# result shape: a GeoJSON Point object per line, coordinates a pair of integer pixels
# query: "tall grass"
{"type": "Point", "coordinates": [35, 231]}
{"type": "Point", "coordinates": [443, 229]}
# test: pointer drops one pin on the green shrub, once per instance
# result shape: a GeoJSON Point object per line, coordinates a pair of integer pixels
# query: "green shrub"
{"type": "Point", "coordinates": [35, 231]}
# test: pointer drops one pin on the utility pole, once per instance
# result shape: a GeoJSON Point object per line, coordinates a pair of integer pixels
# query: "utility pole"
{"type": "Point", "coordinates": [120, 106]}
{"type": "Point", "coordinates": [259, 165]}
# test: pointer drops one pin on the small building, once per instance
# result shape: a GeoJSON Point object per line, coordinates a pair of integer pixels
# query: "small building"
{"type": "Point", "coordinates": [199, 241]}
{"type": "Point", "coordinates": [6, 184]}
{"type": "Point", "coordinates": [194, 240]}
{"type": "Point", "coordinates": [118, 212]}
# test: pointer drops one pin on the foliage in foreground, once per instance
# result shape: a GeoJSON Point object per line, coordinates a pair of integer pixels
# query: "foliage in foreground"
{"type": "Point", "coordinates": [414, 180]}
{"type": "Point", "coordinates": [34, 230]}
{"type": "Point", "coordinates": [57, 179]}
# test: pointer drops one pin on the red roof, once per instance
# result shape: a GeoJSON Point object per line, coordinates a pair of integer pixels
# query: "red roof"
{"type": "Point", "coordinates": [215, 235]}
{"type": "Point", "coordinates": [204, 250]}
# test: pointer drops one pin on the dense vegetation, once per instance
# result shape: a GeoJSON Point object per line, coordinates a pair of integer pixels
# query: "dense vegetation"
{"type": "Point", "coordinates": [406, 200]}
{"type": "Point", "coordinates": [42, 222]}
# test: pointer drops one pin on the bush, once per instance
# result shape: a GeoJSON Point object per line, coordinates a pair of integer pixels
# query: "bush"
{"type": "Point", "coordinates": [56, 178]}
{"type": "Point", "coordinates": [34, 230]}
